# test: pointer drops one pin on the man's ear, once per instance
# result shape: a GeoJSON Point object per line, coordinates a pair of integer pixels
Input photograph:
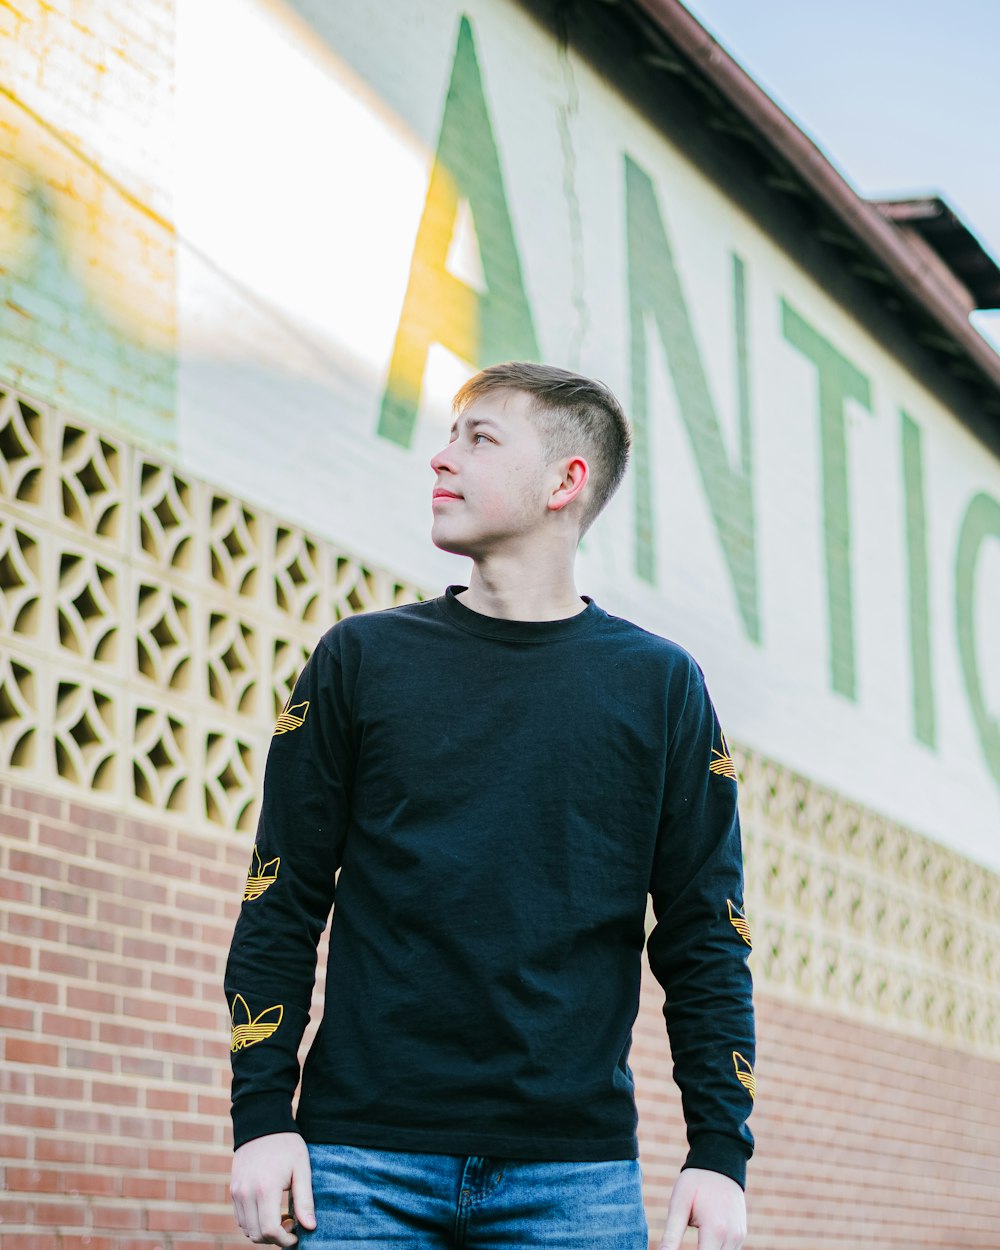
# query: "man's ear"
{"type": "Point", "coordinates": [575, 475]}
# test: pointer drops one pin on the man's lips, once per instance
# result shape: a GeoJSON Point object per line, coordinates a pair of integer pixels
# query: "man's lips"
{"type": "Point", "coordinates": [444, 494]}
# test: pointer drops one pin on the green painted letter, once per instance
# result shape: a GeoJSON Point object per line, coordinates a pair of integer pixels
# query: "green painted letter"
{"type": "Point", "coordinates": [481, 328]}
{"type": "Point", "coordinates": [919, 581]}
{"type": "Point", "coordinates": [654, 287]}
{"type": "Point", "coordinates": [839, 381]}
{"type": "Point", "coordinates": [982, 521]}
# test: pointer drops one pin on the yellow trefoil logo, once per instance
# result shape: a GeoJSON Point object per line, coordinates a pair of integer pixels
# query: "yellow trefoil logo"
{"type": "Point", "coordinates": [248, 1031]}
{"type": "Point", "coordinates": [722, 763]}
{"type": "Point", "coordinates": [260, 876]}
{"type": "Point", "coordinates": [291, 718]}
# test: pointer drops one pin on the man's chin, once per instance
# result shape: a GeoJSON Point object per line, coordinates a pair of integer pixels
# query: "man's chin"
{"type": "Point", "coordinates": [453, 545]}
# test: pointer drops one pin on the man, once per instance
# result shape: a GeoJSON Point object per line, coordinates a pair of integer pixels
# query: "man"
{"type": "Point", "coordinates": [501, 775]}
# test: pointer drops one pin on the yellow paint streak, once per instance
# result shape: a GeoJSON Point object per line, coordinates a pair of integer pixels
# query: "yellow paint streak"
{"type": "Point", "coordinates": [133, 200]}
{"type": "Point", "coordinates": [116, 247]}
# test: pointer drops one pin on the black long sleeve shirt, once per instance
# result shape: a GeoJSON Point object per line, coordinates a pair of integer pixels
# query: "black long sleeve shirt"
{"type": "Point", "coordinates": [499, 798]}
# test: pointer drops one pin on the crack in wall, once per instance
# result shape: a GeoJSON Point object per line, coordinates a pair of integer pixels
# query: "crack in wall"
{"type": "Point", "coordinates": [564, 118]}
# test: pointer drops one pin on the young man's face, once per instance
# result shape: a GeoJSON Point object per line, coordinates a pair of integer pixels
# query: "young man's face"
{"type": "Point", "coordinates": [492, 482]}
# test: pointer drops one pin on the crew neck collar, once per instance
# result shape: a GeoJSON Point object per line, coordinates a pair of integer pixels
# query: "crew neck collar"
{"type": "Point", "coordinates": [502, 627]}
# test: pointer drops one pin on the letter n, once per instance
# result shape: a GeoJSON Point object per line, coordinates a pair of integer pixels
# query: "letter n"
{"type": "Point", "coordinates": [655, 291]}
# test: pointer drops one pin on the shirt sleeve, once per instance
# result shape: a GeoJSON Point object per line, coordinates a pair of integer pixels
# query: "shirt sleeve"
{"type": "Point", "coordinates": [699, 946]}
{"type": "Point", "coordinates": [288, 894]}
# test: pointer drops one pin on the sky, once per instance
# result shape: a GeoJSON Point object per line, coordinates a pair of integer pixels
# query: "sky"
{"type": "Point", "coordinates": [900, 95]}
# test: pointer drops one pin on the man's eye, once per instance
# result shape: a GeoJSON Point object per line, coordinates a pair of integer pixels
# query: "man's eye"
{"type": "Point", "coordinates": [489, 440]}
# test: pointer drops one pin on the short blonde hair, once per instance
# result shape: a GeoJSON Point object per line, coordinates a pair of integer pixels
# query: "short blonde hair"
{"type": "Point", "coordinates": [573, 414]}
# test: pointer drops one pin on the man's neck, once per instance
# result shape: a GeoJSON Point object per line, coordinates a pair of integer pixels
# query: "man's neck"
{"type": "Point", "coordinates": [516, 597]}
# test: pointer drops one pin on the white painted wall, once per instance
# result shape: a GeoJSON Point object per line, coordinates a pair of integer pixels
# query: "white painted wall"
{"type": "Point", "coordinates": [302, 164]}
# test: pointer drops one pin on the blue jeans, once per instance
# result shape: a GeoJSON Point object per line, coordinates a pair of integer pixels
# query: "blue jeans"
{"type": "Point", "coordinates": [453, 1202]}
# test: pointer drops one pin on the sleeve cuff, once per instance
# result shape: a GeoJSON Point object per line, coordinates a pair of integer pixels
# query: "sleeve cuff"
{"type": "Point", "coordinates": [716, 1152]}
{"type": "Point", "coordinates": [258, 1115]}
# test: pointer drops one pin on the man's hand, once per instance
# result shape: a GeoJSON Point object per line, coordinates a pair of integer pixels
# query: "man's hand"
{"type": "Point", "coordinates": [263, 1171]}
{"type": "Point", "coordinates": [710, 1202]}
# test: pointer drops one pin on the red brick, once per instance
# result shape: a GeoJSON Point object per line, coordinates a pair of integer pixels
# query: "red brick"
{"type": "Point", "coordinates": [194, 1073]}
{"type": "Point", "coordinates": [60, 1213]}
{"type": "Point", "coordinates": [176, 926]}
{"type": "Point", "coordinates": [144, 890]}
{"type": "Point", "coordinates": [80, 999]}
{"type": "Point", "coordinates": [82, 1120]}
{"type": "Point", "coordinates": [30, 1115]}
{"type": "Point", "coordinates": [169, 866]}
{"type": "Point", "coordinates": [33, 865]}
{"type": "Point", "coordinates": [123, 1217]}
{"type": "Point", "coordinates": [119, 1094]}
{"type": "Point", "coordinates": [145, 1188]}
{"type": "Point", "coordinates": [64, 1088]}
{"type": "Point", "coordinates": [216, 1108]}
{"type": "Point", "coordinates": [175, 987]}
{"type": "Point", "coordinates": [15, 827]}
{"type": "Point", "coordinates": [14, 891]}
{"type": "Point", "coordinates": [93, 818]}
{"type": "Point", "coordinates": [216, 1221]}
{"type": "Point", "coordinates": [153, 835]}
{"type": "Point", "coordinates": [194, 1130]}
{"type": "Point", "coordinates": [13, 955]}
{"type": "Point", "coordinates": [200, 1193]}
{"type": "Point", "coordinates": [60, 1150]}
{"type": "Point", "coordinates": [32, 801]}
{"type": "Point", "coordinates": [77, 1027]}
{"type": "Point", "coordinates": [140, 948]}
{"type": "Point", "coordinates": [33, 990]}
{"type": "Point", "coordinates": [90, 1060]}
{"type": "Point", "coordinates": [60, 900]}
{"type": "Point", "coordinates": [170, 1100]}
{"type": "Point", "coordinates": [203, 848]}
{"type": "Point", "coordinates": [64, 964]}
{"type": "Point", "coordinates": [91, 880]}
{"type": "Point", "coordinates": [201, 904]}
{"type": "Point", "coordinates": [30, 1050]}
{"type": "Point", "coordinates": [114, 1155]}
{"type": "Point", "coordinates": [13, 1146]}
{"type": "Point", "coordinates": [218, 1164]}
{"type": "Point", "coordinates": [143, 1128]}
{"type": "Point", "coordinates": [15, 1081]}
{"type": "Point", "coordinates": [119, 915]}
{"type": "Point", "coordinates": [161, 1160]}
{"type": "Point", "coordinates": [119, 853]}
{"type": "Point", "coordinates": [21, 924]}
{"type": "Point", "coordinates": [16, 1018]}
{"type": "Point", "coordinates": [141, 1065]}
{"type": "Point", "coordinates": [66, 840]}
{"type": "Point", "coordinates": [224, 880]}
{"type": "Point", "coordinates": [91, 937]}
{"type": "Point", "coordinates": [85, 1241]}
{"type": "Point", "coordinates": [13, 1211]}
{"type": "Point", "coordinates": [120, 974]}
{"type": "Point", "coordinates": [169, 1220]}
{"type": "Point", "coordinates": [114, 1034]}
{"type": "Point", "coordinates": [91, 1183]}
{"type": "Point", "coordinates": [156, 1009]}
{"type": "Point", "coordinates": [33, 1180]}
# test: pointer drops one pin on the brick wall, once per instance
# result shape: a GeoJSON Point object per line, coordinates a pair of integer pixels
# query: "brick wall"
{"type": "Point", "coordinates": [115, 1131]}
{"type": "Point", "coordinates": [115, 1102]}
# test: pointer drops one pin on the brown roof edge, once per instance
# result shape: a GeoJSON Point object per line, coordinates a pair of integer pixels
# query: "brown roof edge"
{"type": "Point", "coordinates": [863, 219]}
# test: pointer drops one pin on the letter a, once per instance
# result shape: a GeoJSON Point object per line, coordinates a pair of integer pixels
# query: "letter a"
{"type": "Point", "coordinates": [482, 328]}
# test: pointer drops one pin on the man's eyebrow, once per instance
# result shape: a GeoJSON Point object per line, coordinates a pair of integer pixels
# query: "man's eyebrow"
{"type": "Point", "coordinates": [474, 422]}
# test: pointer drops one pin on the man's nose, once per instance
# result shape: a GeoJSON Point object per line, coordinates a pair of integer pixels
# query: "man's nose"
{"type": "Point", "coordinates": [443, 460]}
